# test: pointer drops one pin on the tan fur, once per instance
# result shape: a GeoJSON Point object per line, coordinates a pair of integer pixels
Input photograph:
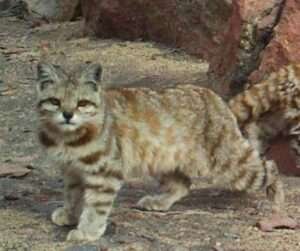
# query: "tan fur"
{"type": "Point", "coordinates": [171, 134]}
{"type": "Point", "coordinates": [270, 108]}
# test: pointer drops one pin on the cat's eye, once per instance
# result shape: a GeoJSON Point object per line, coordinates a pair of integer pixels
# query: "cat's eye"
{"type": "Point", "coordinates": [83, 103]}
{"type": "Point", "coordinates": [54, 101]}
{"type": "Point", "coordinates": [92, 84]}
{"type": "Point", "coordinates": [46, 83]}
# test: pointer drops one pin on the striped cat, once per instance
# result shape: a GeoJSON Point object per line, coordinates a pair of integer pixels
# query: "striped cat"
{"type": "Point", "coordinates": [270, 108]}
{"type": "Point", "coordinates": [102, 135]}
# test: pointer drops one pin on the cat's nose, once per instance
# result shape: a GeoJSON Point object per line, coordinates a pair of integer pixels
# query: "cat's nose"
{"type": "Point", "coordinates": [68, 115]}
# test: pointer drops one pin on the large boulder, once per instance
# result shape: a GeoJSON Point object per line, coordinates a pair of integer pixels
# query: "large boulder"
{"type": "Point", "coordinates": [53, 10]}
{"type": "Point", "coordinates": [227, 33]}
{"type": "Point", "coordinates": [17, 8]}
{"type": "Point", "coordinates": [4, 4]}
{"type": "Point", "coordinates": [284, 48]}
{"type": "Point", "coordinates": [47, 10]}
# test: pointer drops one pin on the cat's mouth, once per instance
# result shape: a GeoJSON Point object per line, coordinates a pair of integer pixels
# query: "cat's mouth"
{"type": "Point", "coordinates": [68, 126]}
{"type": "Point", "coordinates": [67, 123]}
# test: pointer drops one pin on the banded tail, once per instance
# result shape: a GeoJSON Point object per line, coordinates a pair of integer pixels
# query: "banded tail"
{"type": "Point", "coordinates": [278, 91]}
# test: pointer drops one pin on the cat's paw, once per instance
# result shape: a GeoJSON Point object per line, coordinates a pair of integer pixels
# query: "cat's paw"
{"type": "Point", "coordinates": [79, 235]}
{"type": "Point", "coordinates": [61, 217]}
{"type": "Point", "coordinates": [76, 235]}
{"type": "Point", "coordinates": [153, 203]}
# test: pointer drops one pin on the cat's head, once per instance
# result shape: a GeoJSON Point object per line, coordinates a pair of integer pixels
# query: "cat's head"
{"type": "Point", "coordinates": [69, 101]}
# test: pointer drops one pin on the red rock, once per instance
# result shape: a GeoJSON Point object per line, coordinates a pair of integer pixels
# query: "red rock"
{"type": "Point", "coordinates": [281, 153]}
{"type": "Point", "coordinates": [277, 221]}
{"type": "Point", "coordinates": [284, 48]}
{"type": "Point", "coordinates": [197, 27]}
{"type": "Point", "coordinates": [257, 18]}
{"type": "Point", "coordinates": [210, 29]}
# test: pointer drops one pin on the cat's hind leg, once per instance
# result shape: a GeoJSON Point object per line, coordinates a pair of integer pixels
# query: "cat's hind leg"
{"type": "Point", "coordinates": [275, 193]}
{"type": "Point", "coordinates": [174, 185]}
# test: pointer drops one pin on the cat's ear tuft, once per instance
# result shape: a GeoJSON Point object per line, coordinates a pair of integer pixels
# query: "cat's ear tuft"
{"type": "Point", "coordinates": [92, 74]}
{"type": "Point", "coordinates": [97, 68]}
{"type": "Point", "coordinates": [46, 75]}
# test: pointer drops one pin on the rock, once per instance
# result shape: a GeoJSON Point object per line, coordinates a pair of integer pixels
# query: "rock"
{"type": "Point", "coordinates": [131, 246]}
{"type": "Point", "coordinates": [83, 248]}
{"type": "Point", "coordinates": [13, 170]}
{"type": "Point", "coordinates": [258, 21]}
{"type": "Point", "coordinates": [136, 246]}
{"type": "Point", "coordinates": [4, 4]}
{"type": "Point", "coordinates": [282, 154]}
{"type": "Point", "coordinates": [54, 10]}
{"type": "Point", "coordinates": [229, 34]}
{"type": "Point", "coordinates": [284, 48]}
{"type": "Point", "coordinates": [277, 221]}
{"type": "Point", "coordinates": [17, 8]}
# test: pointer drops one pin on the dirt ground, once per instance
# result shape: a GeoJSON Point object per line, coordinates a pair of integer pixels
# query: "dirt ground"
{"type": "Point", "coordinates": [208, 219]}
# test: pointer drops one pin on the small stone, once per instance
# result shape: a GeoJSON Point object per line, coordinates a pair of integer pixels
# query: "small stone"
{"type": "Point", "coordinates": [83, 248]}
{"type": "Point", "coordinates": [11, 197]}
{"type": "Point", "coordinates": [13, 170]}
{"type": "Point", "coordinates": [277, 221]}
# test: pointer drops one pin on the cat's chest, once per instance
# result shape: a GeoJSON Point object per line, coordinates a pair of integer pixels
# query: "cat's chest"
{"type": "Point", "coordinates": [89, 157]}
{"type": "Point", "coordinates": [63, 153]}
{"type": "Point", "coordinates": [73, 162]}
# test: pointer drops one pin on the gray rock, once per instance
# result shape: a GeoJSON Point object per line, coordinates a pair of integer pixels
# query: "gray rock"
{"type": "Point", "coordinates": [83, 248]}
{"type": "Point", "coordinates": [53, 10]}
{"type": "Point", "coordinates": [16, 8]}
{"type": "Point", "coordinates": [4, 4]}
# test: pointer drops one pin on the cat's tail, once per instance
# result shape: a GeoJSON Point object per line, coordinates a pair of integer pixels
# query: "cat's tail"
{"type": "Point", "coordinates": [251, 103]}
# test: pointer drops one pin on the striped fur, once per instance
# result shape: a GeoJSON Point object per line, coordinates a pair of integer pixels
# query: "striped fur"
{"type": "Point", "coordinates": [171, 134]}
{"type": "Point", "coordinates": [270, 108]}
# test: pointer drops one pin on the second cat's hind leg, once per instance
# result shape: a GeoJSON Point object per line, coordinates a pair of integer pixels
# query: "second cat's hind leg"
{"type": "Point", "coordinates": [175, 186]}
{"type": "Point", "coordinates": [274, 187]}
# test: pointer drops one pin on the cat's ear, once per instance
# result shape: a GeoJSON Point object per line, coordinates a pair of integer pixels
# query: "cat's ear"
{"type": "Point", "coordinates": [91, 75]}
{"type": "Point", "coordinates": [46, 75]}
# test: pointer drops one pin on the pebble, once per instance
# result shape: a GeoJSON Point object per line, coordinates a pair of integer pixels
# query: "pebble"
{"type": "Point", "coordinates": [83, 248]}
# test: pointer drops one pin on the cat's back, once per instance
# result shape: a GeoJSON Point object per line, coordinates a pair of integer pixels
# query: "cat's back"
{"type": "Point", "coordinates": [181, 103]}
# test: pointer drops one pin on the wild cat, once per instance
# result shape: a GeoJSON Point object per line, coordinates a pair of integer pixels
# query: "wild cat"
{"type": "Point", "coordinates": [270, 108]}
{"type": "Point", "coordinates": [102, 135]}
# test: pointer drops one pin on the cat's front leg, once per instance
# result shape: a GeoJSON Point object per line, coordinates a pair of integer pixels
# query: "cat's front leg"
{"type": "Point", "coordinates": [68, 214]}
{"type": "Point", "coordinates": [100, 191]}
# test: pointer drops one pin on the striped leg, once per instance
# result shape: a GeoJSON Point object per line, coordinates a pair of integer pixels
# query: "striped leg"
{"type": "Point", "coordinates": [99, 194]}
{"type": "Point", "coordinates": [69, 213]}
{"type": "Point", "coordinates": [175, 185]}
{"type": "Point", "coordinates": [275, 191]}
